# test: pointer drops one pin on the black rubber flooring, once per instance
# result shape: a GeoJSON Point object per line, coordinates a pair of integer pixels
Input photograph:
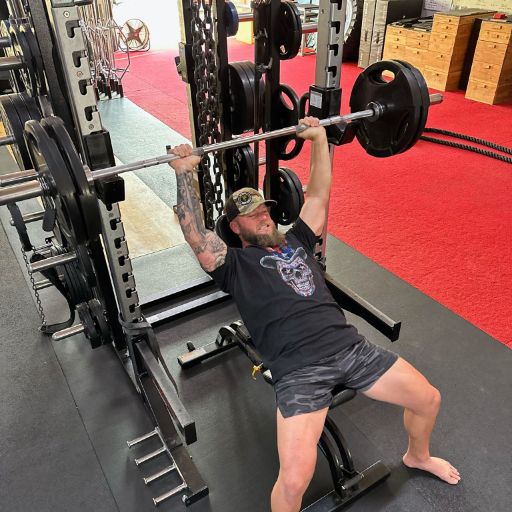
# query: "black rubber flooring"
{"type": "Point", "coordinates": [67, 411]}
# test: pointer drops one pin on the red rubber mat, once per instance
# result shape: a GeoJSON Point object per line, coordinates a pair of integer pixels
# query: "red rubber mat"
{"type": "Point", "coordinates": [439, 218]}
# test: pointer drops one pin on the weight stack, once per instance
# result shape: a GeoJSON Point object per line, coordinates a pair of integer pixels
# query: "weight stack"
{"type": "Point", "coordinates": [388, 11]}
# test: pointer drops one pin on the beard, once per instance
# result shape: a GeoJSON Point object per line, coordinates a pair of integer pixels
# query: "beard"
{"type": "Point", "coordinates": [273, 240]}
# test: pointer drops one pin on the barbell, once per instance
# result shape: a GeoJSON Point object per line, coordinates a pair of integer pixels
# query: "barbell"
{"type": "Point", "coordinates": [376, 111]}
{"type": "Point", "coordinates": [390, 118]}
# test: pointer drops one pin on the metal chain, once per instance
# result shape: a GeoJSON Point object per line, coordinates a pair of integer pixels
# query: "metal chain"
{"type": "Point", "coordinates": [205, 76]}
{"type": "Point", "coordinates": [36, 293]}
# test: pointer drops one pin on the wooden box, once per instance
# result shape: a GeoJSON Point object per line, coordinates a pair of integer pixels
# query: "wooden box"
{"type": "Point", "coordinates": [490, 80]}
{"type": "Point", "coordinates": [447, 61]}
{"type": "Point", "coordinates": [489, 93]}
{"type": "Point", "coordinates": [488, 72]}
{"type": "Point", "coordinates": [393, 51]}
{"type": "Point", "coordinates": [417, 39]}
{"type": "Point", "coordinates": [441, 81]}
{"type": "Point", "coordinates": [415, 56]}
{"type": "Point", "coordinates": [449, 41]}
{"type": "Point", "coordinates": [494, 53]}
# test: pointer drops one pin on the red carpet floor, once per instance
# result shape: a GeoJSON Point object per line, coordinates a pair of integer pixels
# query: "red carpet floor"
{"type": "Point", "coordinates": [439, 218]}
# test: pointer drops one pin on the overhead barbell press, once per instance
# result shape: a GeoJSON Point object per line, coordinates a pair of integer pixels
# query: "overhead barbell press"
{"type": "Point", "coordinates": [392, 121]}
{"type": "Point", "coordinates": [29, 190]}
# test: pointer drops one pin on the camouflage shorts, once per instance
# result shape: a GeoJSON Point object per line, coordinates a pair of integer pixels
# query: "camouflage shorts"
{"type": "Point", "coordinates": [310, 388]}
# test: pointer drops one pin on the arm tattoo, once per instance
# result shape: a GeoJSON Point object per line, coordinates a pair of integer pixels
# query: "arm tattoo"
{"type": "Point", "coordinates": [190, 218]}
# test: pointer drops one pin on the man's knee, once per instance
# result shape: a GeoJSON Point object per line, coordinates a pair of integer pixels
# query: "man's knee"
{"type": "Point", "coordinates": [431, 400]}
{"type": "Point", "coordinates": [295, 482]}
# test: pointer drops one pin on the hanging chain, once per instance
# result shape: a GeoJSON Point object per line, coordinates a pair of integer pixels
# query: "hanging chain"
{"type": "Point", "coordinates": [36, 293]}
{"type": "Point", "coordinates": [205, 77]}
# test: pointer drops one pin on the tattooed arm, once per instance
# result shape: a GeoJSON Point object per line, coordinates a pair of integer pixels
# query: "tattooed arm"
{"type": "Point", "coordinates": [209, 249]}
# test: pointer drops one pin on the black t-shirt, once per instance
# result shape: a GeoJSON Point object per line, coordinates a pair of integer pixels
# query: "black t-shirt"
{"type": "Point", "coordinates": [284, 302]}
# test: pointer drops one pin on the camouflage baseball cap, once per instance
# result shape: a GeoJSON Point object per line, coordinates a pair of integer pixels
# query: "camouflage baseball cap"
{"type": "Point", "coordinates": [244, 201]}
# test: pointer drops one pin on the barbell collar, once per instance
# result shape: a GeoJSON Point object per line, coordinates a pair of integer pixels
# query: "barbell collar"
{"type": "Point", "coordinates": [11, 63]}
{"type": "Point", "coordinates": [14, 178]}
{"type": "Point", "coordinates": [67, 333]}
{"type": "Point", "coordinates": [6, 140]}
{"type": "Point", "coordinates": [436, 98]}
{"type": "Point", "coordinates": [52, 262]}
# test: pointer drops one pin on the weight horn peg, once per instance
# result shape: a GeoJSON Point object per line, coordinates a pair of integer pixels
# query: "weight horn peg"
{"type": "Point", "coordinates": [32, 189]}
{"type": "Point", "coordinates": [67, 333]}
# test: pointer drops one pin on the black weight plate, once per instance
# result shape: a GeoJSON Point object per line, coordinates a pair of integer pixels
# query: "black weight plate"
{"type": "Point", "coordinates": [54, 126]}
{"type": "Point", "coordinates": [296, 181]}
{"type": "Point", "coordinates": [98, 315]}
{"type": "Point", "coordinates": [292, 179]}
{"type": "Point", "coordinates": [48, 163]}
{"type": "Point", "coordinates": [231, 19]}
{"type": "Point", "coordinates": [289, 30]}
{"type": "Point", "coordinates": [423, 88]}
{"type": "Point", "coordinates": [286, 115]}
{"type": "Point", "coordinates": [31, 105]}
{"type": "Point", "coordinates": [241, 164]}
{"type": "Point", "coordinates": [14, 127]}
{"type": "Point", "coordinates": [91, 332]}
{"type": "Point", "coordinates": [23, 51]}
{"type": "Point", "coordinates": [241, 95]}
{"type": "Point", "coordinates": [20, 107]}
{"type": "Point", "coordinates": [85, 264]}
{"type": "Point", "coordinates": [250, 71]}
{"type": "Point", "coordinates": [397, 127]}
{"type": "Point", "coordinates": [78, 289]}
{"type": "Point", "coordinates": [290, 199]}
{"type": "Point", "coordinates": [36, 59]}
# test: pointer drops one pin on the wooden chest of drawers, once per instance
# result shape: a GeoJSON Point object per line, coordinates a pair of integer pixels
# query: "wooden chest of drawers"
{"type": "Point", "coordinates": [447, 48]}
{"type": "Point", "coordinates": [406, 44]}
{"type": "Point", "coordinates": [490, 80]}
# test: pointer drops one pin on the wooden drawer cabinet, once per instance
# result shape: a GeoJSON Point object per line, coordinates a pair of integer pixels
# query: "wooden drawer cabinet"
{"type": "Point", "coordinates": [445, 61]}
{"type": "Point", "coordinates": [419, 35]}
{"type": "Point", "coordinates": [445, 27]}
{"type": "Point", "coordinates": [417, 39]}
{"type": "Point", "coordinates": [498, 27]}
{"type": "Point", "coordinates": [397, 39]}
{"type": "Point", "coordinates": [489, 93]}
{"type": "Point", "coordinates": [442, 42]}
{"type": "Point", "coordinates": [415, 56]}
{"type": "Point", "coordinates": [493, 53]}
{"type": "Point", "coordinates": [392, 30]}
{"type": "Point", "coordinates": [487, 72]}
{"type": "Point", "coordinates": [441, 81]}
{"type": "Point", "coordinates": [393, 51]}
{"type": "Point", "coordinates": [495, 36]}
{"type": "Point", "coordinates": [490, 80]}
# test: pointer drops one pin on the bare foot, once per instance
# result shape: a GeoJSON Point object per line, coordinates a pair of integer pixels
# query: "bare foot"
{"type": "Point", "coordinates": [439, 467]}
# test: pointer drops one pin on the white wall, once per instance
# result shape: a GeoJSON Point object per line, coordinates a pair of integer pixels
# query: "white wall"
{"type": "Point", "coordinates": [492, 5]}
{"type": "Point", "coordinates": [161, 17]}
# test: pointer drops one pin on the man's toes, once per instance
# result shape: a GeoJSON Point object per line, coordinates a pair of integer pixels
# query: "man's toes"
{"type": "Point", "coordinates": [454, 478]}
